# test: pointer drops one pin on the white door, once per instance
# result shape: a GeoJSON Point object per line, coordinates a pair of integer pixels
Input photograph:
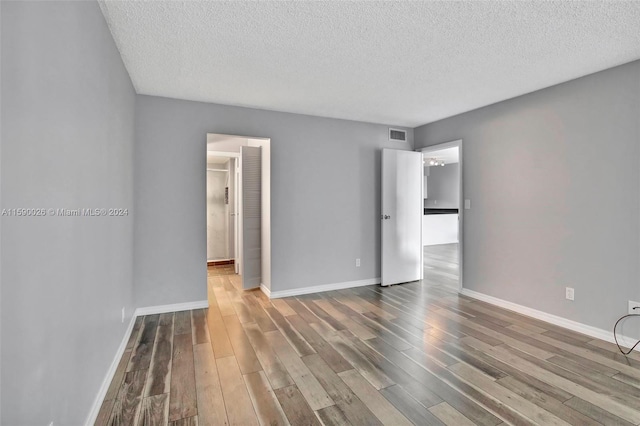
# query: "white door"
{"type": "Point", "coordinates": [251, 205]}
{"type": "Point", "coordinates": [402, 211]}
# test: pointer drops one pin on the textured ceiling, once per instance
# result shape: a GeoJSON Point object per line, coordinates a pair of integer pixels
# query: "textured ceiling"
{"type": "Point", "coordinates": [402, 63]}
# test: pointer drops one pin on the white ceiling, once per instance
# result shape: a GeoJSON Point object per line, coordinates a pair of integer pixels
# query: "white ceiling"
{"type": "Point", "coordinates": [401, 63]}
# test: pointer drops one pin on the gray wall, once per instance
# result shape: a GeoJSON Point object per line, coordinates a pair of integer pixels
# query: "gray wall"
{"type": "Point", "coordinates": [553, 178]}
{"type": "Point", "coordinates": [325, 196]}
{"type": "Point", "coordinates": [443, 188]}
{"type": "Point", "coordinates": [67, 142]}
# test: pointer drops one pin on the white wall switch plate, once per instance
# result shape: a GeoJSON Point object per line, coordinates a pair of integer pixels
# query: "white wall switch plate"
{"type": "Point", "coordinates": [467, 204]}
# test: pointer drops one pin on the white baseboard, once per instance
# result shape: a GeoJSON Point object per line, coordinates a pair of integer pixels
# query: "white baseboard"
{"type": "Point", "coordinates": [97, 402]}
{"type": "Point", "coordinates": [149, 310]}
{"type": "Point", "coordinates": [319, 288]}
{"type": "Point", "coordinates": [588, 330]}
{"type": "Point", "coordinates": [176, 307]}
{"type": "Point", "coordinates": [265, 290]}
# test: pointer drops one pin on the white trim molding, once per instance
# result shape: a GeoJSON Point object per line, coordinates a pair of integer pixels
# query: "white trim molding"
{"type": "Point", "coordinates": [265, 290]}
{"type": "Point", "coordinates": [176, 307]}
{"type": "Point", "coordinates": [97, 402]}
{"type": "Point", "coordinates": [588, 330]}
{"type": "Point", "coordinates": [319, 288]}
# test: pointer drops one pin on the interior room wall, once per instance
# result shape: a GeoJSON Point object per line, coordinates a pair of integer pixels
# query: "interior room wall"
{"type": "Point", "coordinates": [325, 196]}
{"type": "Point", "coordinates": [443, 188]}
{"type": "Point", "coordinates": [553, 178]}
{"type": "Point", "coordinates": [68, 110]}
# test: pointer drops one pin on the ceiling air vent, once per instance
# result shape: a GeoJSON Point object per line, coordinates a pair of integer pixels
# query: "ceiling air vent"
{"type": "Point", "coordinates": [397, 135]}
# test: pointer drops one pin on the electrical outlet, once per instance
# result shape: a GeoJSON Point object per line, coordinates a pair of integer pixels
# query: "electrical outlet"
{"type": "Point", "coordinates": [467, 204]}
{"type": "Point", "coordinates": [634, 307]}
{"type": "Point", "coordinates": [570, 293]}
{"type": "Point", "coordinates": [123, 314]}
{"type": "Point", "coordinates": [357, 263]}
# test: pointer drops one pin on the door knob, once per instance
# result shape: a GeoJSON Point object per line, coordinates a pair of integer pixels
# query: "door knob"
{"type": "Point", "coordinates": [385, 216]}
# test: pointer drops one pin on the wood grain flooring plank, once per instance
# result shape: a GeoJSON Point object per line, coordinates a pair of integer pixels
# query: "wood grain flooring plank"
{"type": "Point", "coordinates": [630, 414]}
{"type": "Point", "coordinates": [159, 376]}
{"type": "Point", "coordinates": [449, 415]}
{"type": "Point", "coordinates": [211, 409]}
{"type": "Point", "coordinates": [320, 313]}
{"type": "Point", "coordinates": [372, 304]}
{"type": "Point", "coordinates": [141, 355]}
{"type": "Point", "coordinates": [463, 397]}
{"type": "Point", "coordinates": [133, 337]}
{"type": "Point", "coordinates": [417, 368]}
{"type": "Point", "coordinates": [265, 402]}
{"type": "Point", "coordinates": [236, 397]}
{"type": "Point", "coordinates": [188, 421]}
{"type": "Point", "coordinates": [261, 318]}
{"type": "Point", "coordinates": [612, 360]}
{"type": "Point", "coordinates": [282, 306]}
{"type": "Point", "coordinates": [301, 310]}
{"type": "Point", "coordinates": [578, 379]}
{"type": "Point", "coordinates": [381, 332]}
{"type": "Point", "coordinates": [182, 323]}
{"type": "Point", "coordinates": [353, 408]}
{"type": "Point", "coordinates": [296, 407]}
{"type": "Point", "coordinates": [199, 330]}
{"type": "Point", "coordinates": [244, 353]}
{"type": "Point", "coordinates": [333, 416]}
{"type": "Point", "coordinates": [127, 404]}
{"type": "Point", "coordinates": [243, 312]}
{"type": "Point", "coordinates": [610, 385]}
{"type": "Point", "coordinates": [154, 410]}
{"type": "Point", "coordinates": [305, 381]}
{"type": "Point", "coordinates": [470, 356]}
{"type": "Point", "coordinates": [379, 406]}
{"type": "Point", "coordinates": [223, 302]}
{"type": "Point", "coordinates": [611, 347]}
{"type": "Point", "coordinates": [596, 413]}
{"type": "Point", "coordinates": [543, 400]}
{"type": "Point", "coordinates": [411, 408]}
{"type": "Point", "coordinates": [519, 404]}
{"type": "Point", "coordinates": [218, 333]}
{"type": "Point", "coordinates": [414, 385]}
{"type": "Point", "coordinates": [295, 339]}
{"type": "Point", "coordinates": [273, 368]}
{"type": "Point", "coordinates": [118, 376]}
{"type": "Point", "coordinates": [470, 344]}
{"type": "Point", "coordinates": [628, 380]}
{"type": "Point", "coordinates": [105, 412]}
{"type": "Point", "coordinates": [183, 400]}
{"type": "Point", "coordinates": [359, 361]}
{"type": "Point", "coordinates": [500, 336]}
{"type": "Point", "coordinates": [321, 346]}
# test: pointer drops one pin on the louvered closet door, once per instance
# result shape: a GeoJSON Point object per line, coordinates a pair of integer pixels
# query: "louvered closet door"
{"type": "Point", "coordinates": [251, 176]}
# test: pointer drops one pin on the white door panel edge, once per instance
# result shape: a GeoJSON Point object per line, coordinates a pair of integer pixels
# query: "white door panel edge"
{"type": "Point", "coordinates": [401, 216]}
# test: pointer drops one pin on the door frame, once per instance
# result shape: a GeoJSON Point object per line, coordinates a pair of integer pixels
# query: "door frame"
{"type": "Point", "coordinates": [236, 156]}
{"type": "Point", "coordinates": [265, 144]}
{"type": "Point", "coordinates": [461, 202]}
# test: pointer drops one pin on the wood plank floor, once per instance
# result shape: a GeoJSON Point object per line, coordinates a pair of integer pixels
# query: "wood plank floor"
{"type": "Point", "coordinates": [415, 353]}
{"type": "Point", "coordinates": [441, 265]}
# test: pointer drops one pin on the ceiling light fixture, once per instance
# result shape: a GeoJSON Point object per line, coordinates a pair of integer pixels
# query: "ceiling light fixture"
{"type": "Point", "coordinates": [433, 162]}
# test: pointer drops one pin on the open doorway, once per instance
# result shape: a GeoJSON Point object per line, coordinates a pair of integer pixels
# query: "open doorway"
{"type": "Point", "coordinates": [442, 219]}
{"type": "Point", "coordinates": [239, 210]}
